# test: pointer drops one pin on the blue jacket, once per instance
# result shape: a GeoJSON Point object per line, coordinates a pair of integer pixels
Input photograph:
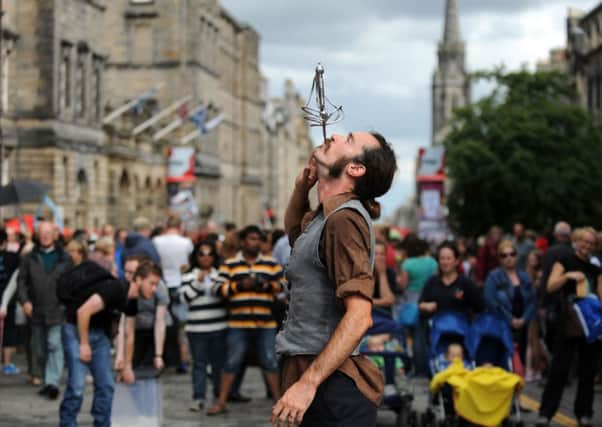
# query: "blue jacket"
{"type": "Point", "coordinates": [137, 244]}
{"type": "Point", "coordinates": [498, 294]}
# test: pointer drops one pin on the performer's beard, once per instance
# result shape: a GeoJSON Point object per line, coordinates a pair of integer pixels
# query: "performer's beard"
{"type": "Point", "coordinates": [334, 170]}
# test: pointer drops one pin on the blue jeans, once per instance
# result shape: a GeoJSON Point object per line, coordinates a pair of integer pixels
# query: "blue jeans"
{"type": "Point", "coordinates": [100, 368]}
{"type": "Point", "coordinates": [260, 339]}
{"type": "Point", "coordinates": [48, 352]}
{"type": "Point", "coordinates": [206, 347]}
{"type": "Point", "coordinates": [420, 347]}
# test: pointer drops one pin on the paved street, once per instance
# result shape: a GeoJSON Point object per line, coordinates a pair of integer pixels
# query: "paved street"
{"type": "Point", "coordinates": [20, 405]}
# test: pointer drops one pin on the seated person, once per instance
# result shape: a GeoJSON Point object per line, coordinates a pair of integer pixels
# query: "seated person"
{"type": "Point", "coordinates": [385, 343]}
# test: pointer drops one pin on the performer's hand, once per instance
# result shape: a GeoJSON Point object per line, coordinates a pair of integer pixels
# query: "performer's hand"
{"type": "Point", "coordinates": [291, 407]}
{"type": "Point", "coordinates": [127, 375]}
{"type": "Point", "coordinates": [308, 177]}
{"type": "Point", "coordinates": [85, 353]}
{"type": "Point", "coordinates": [27, 309]}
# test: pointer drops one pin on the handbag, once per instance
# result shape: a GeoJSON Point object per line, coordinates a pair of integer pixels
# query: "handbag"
{"type": "Point", "coordinates": [408, 314]}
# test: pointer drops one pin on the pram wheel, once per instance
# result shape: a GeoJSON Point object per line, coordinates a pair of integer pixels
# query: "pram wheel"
{"type": "Point", "coordinates": [428, 420]}
{"type": "Point", "coordinates": [403, 418]}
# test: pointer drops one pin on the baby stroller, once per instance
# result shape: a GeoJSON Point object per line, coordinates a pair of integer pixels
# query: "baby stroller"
{"type": "Point", "coordinates": [490, 342]}
{"type": "Point", "coordinates": [447, 327]}
{"type": "Point", "coordinates": [397, 396]}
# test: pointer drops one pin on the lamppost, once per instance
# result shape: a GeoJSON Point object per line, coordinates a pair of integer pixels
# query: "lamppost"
{"type": "Point", "coordinates": [275, 117]}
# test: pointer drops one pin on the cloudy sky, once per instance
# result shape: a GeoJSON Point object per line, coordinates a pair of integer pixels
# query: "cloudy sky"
{"type": "Point", "coordinates": [379, 56]}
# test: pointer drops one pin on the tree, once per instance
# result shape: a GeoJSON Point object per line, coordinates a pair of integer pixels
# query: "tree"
{"type": "Point", "coordinates": [527, 152]}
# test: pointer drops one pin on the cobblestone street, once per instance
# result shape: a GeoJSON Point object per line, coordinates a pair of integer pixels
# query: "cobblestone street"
{"type": "Point", "coordinates": [21, 406]}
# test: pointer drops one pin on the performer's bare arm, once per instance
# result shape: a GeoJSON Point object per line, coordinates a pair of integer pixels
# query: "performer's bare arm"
{"type": "Point", "coordinates": [345, 338]}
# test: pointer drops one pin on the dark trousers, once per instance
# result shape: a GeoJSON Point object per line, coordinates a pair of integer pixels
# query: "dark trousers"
{"type": "Point", "coordinates": [144, 348]}
{"type": "Point", "coordinates": [339, 403]}
{"type": "Point", "coordinates": [559, 372]}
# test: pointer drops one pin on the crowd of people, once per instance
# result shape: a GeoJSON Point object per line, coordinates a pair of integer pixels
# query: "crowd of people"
{"type": "Point", "coordinates": [170, 298]}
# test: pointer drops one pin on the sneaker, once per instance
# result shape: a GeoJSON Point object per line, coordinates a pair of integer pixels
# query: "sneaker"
{"type": "Point", "coordinates": [11, 369]}
{"type": "Point", "coordinates": [197, 406]}
{"type": "Point", "coordinates": [585, 422]}
{"type": "Point", "coordinates": [182, 368]}
{"type": "Point", "coordinates": [542, 421]}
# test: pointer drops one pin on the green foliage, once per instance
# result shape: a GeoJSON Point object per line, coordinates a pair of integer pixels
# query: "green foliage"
{"type": "Point", "coordinates": [525, 153]}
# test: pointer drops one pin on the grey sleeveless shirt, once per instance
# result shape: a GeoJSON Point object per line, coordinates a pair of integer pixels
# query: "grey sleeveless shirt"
{"type": "Point", "coordinates": [313, 311]}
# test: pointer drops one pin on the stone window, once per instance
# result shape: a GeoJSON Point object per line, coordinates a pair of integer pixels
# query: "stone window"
{"type": "Point", "coordinates": [65, 77]}
{"type": "Point", "coordinates": [66, 178]}
{"type": "Point", "coordinates": [96, 85]}
{"type": "Point", "coordinates": [81, 85]}
{"type": "Point", "coordinates": [142, 43]}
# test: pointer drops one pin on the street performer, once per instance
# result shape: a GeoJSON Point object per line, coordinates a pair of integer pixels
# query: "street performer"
{"type": "Point", "coordinates": [326, 382]}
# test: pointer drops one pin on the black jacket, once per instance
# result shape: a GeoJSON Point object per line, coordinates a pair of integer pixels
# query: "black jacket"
{"type": "Point", "coordinates": [37, 286]}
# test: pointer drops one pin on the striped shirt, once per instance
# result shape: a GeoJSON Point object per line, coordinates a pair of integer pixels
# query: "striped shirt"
{"type": "Point", "coordinates": [250, 309]}
{"type": "Point", "coordinates": [206, 310]}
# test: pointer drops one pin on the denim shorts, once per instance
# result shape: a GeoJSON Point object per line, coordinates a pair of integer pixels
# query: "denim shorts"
{"type": "Point", "coordinates": [259, 340]}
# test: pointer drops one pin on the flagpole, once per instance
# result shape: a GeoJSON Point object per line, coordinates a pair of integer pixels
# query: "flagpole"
{"type": "Point", "coordinates": [176, 123]}
{"type": "Point", "coordinates": [161, 114]}
{"type": "Point", "coordinates": [214, 122]}
{"type": "Point", "coordinates": [128, 106]}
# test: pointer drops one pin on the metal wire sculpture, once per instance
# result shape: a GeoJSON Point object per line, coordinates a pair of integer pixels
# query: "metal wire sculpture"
{"type": "Point", "coordinates": [320, 115]}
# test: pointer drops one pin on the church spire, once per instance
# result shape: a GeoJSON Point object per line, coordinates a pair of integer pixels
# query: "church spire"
{"type": "Point", "coordinates": [451, 31]}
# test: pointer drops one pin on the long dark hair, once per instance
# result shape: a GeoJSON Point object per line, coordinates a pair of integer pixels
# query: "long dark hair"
{"type": "Point", "coordinates": [194, 256]}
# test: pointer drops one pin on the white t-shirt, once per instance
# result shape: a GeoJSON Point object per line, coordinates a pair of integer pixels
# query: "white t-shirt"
{"type": "Point", "coordinates": [174, 251]}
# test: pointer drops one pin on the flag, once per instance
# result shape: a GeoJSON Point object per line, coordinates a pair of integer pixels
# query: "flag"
{"type": "Point", "coordinates": [143, 98]}
{"type": "Point", "coordinates": [183, 111]}
{"type": "Point", "coordinates": [214, 122]}
{"type": "Point", "coordinates": [199, 119]}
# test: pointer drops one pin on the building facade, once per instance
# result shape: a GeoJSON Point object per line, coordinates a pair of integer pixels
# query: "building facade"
{"type": "Point", "coordinates": [80, 60]}
{"type": "Point", "coordinates": [584, 55]}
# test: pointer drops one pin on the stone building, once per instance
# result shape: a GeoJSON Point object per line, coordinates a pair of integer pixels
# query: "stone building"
{"type": "Point", "coordinates": [78, 60]}
{"type": "Point", "coordinates": [289, 148]}
{"type": "Point", "coordinates": [584, 55]}
{"type": "Point", "coordinates": [451, 85]}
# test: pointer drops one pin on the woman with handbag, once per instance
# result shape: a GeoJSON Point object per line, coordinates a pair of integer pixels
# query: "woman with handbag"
{"type": "Point", "coordinates": [574, 277]}
{"type": "Point", "coordinates": [509, 292]}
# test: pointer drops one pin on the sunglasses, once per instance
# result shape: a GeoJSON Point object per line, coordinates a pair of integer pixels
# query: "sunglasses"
{"type": "Point", "coordinates": [505, 255]}
{"type": "Point", "coordinates": [203, 253]}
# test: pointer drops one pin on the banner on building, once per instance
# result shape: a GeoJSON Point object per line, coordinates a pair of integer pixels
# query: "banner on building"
{"type": "Point", "coordinates": [180, 164]}
{"type": "Point", "coordinates": [431, 164]}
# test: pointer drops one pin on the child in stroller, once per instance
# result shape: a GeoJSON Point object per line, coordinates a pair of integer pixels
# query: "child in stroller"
{"type": "Point", "coordinates": [385, 346]}
{"type": "Point", "coordinates": [485, 394]}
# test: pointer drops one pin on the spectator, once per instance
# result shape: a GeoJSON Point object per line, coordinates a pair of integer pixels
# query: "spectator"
{"type": "Point", "coordinates": [91, 294]}
{"type": "Point", "coordinates": [573, 277]}
{"type": "Point", "coordinates": [104, 254]}
{"type": "Point", "coordinates": [449, 290]}
{"type": "Point", "coordinates": [551, 302]}
{"type": "Point", "coordinates": [174, 251]}
{"type": "Point", "coordinates": [523, 243]}
{"type": "Point", "coordinates": [38, 275]}
{"type": "Point", "coordinates": [9, 263]}
{"type": "Point", "coordinates": [384, 281]}
{"type": "Point", "coordinates": [138, 242]}
{"type": "Point", "coordinates": [509, 292]}
{"type": "Point", "coordinates": [206, 325]}
{"type": "Point", "coordinates": [249, 281]}
{"type": "Point", "coordinates": [150, 323]}
{"type": "Point", "coordinates": [415, 271]}
{"type": "Point", "coordinates": [487, 258]}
